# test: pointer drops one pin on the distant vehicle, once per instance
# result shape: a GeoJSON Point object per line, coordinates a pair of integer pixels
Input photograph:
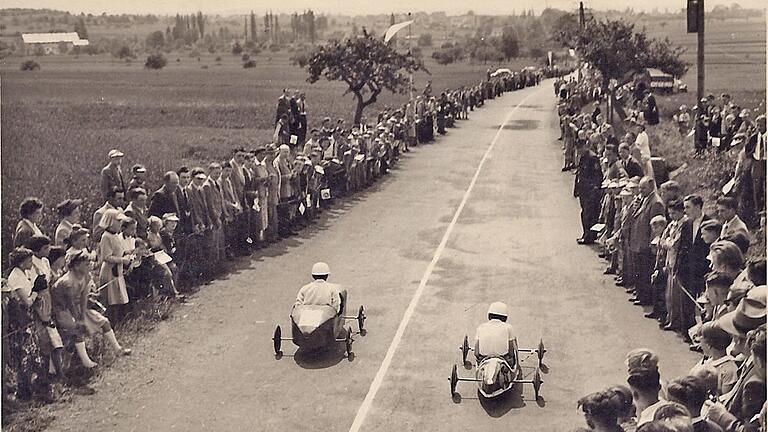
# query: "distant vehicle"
{"type": "Point", "coordinates": [490, 370]}
{"type": "Point", "coordinates": [501, 71]}
{"type": "Point", "coordinates": [661, 82]}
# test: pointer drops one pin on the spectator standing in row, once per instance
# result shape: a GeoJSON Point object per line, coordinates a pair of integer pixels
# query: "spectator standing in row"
{"type": "Point", "coordinates": [23, 290]}
{"type": "Point", "coordinates": [113, 258]}
{"type": "Point", "coordinates": [589, 176]}
{"type": "Point", "coordinates": [138, 180]}
{"type": "Point", "coordinates": [282, 134]}
{"type": "Point", "coordinates": [640, 240]}
{"type": "Point", "coordinates": [214, 200]}
{"type": "Point", "coordinates": [757, 149]}
{"type": "Point", "coordinates": [115, 200]}
{"type": "Point", "coordinates": [137, 210]}
{"type": "Point", "coordinates": [112, 174]}
{"type": "Point", "coordinates": [692, 264]}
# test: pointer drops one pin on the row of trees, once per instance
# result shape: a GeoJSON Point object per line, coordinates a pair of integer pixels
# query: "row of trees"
{"type": "Point", "coordinates": [189, 28]}
{"type": "Point", "coordinates": [484, 49]}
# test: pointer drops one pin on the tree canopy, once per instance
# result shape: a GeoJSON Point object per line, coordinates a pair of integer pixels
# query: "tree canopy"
{"type": "Point", "coordinates": [615, 48]}
{"type": "Point", "coordinates": [366, 64]}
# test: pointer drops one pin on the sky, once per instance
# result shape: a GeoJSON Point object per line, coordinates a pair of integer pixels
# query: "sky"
{"type": "Point", "coordinates": [349, 7]}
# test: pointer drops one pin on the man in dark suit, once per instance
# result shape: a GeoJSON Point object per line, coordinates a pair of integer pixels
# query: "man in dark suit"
{"type": "Point", "coordinates": [164, 200]}
{"type": "Point", "coordinates": [182, 199]}
{"type": "Point", "coordinates": [630, 165]}
{"type": "Point", "coordinates": [283, 105]}
{"type": "Point", "coordinates": [640, 240]}
{"type": "Point", "coordinates": [692, 265]}
{"type": "Point", "coordinates": [188, 241]}
{"type": "Point", "coordinates": [112, 174]}
{"type": "Point", "coordinates": [589, 177]}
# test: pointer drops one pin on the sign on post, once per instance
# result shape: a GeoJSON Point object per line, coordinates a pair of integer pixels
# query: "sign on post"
{"type": "Point", "coordinates": [693, 16]}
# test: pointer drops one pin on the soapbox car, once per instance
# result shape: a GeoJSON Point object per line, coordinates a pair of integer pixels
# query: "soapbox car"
{"type": "Point", "coordinates": [496, 375]}
{"type": "Point", "coordinates": [316, 327]}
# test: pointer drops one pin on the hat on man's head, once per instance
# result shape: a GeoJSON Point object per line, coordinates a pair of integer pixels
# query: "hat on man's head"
{"type": "Point", "coordinates": [738, 323]}
{"type": "Point", "coordinates": [642, 359]}
{"type": "Point", "coordinates": [66, 207]}
{"type": "Point", "coordinates": [138, 168]}
{"type": "Point", "coordinates": [115, 153]}
{"type": "Point", "coordinates": [170, 217]}
{"type": "Point", "coordinates": [736, 292]}
{"type": "Point", "coordinates": [753, 305]}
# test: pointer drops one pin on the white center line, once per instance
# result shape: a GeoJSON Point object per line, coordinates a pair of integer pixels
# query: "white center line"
{"type": "Point", "coordinates": [362, 412]}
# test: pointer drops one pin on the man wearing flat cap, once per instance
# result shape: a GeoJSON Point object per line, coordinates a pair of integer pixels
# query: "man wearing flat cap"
{"type": "Point", "coordinates": [139, 176]}
{"type": "Point", "coordinates": [112, 174]}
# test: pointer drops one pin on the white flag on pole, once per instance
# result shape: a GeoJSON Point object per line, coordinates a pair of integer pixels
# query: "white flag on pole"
{"type": "Point", "coordinates": [394, 29]}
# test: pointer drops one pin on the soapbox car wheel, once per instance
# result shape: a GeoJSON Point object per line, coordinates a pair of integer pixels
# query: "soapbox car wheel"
{"type": "Point", "coordinates": [348, 342]}
{"type": "Point", "coordinates": [464, 350]}
{"type": "Point", "coordinates": [454, 379]}
{"type": "Point", "coordinates": [277, 340]}
{"type": "Point", "coordinates": [541, 351]}
{"type": "Point", "coordinates": [536, 383]}
{"type": "Point", "coordinates": [361, 320]}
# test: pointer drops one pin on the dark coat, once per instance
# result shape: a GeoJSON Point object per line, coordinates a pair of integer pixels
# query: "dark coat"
{"type": "Point", "coordinates": [162, 202]}
{"type": "Point", "coordinates": [111, 178]}
{"type": "Point", "coordinates": [640, 239]}
{"type": "Point", "coordinates": [589, 175]}
{"type": "Point", "coordinates": [692, 265]}
{"type": "Point", "coordinates": [185, 212]}
{"type": "Point", "coordinates": [632, 168]}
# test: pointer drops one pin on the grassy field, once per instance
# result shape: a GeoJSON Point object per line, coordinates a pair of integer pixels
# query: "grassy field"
{"type": "Point", "coordinates": [59, 123]}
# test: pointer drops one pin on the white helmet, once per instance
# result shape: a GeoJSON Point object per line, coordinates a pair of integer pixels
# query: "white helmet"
{"type": "Point", "coordinates": [321, 269]}
{"type": "Point", "coordinates": [498, 308]}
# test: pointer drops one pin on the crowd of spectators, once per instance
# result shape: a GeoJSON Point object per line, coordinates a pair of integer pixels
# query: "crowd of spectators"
{"type": "Point", "coordinates": [686, 269]}
{"type": "Point", "coordinates": [151, 243]}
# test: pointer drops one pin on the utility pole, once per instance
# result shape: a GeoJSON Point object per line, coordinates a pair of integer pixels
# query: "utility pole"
{"type": "Point", "coordinates": [582, 25]}
{"type": "Point", "coordinates": [700, 55]}
{"type": "Point", "coordinates": [696, 25]}
{"type": "Point", "coordinates": [410, 75]}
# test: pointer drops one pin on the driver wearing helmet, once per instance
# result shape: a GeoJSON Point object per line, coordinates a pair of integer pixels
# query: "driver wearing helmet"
{"type": "Point", "coordinates": [495, 338]}
{"type": "Point", "coordinates": [320, 292]}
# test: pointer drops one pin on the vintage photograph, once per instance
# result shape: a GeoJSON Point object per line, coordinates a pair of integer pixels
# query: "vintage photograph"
{"type": "Point", "coordinates": [355, 216]}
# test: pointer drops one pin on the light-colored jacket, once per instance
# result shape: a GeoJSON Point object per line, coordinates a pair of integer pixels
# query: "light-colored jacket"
{"type": "Point", "coordinates": [320, 292]}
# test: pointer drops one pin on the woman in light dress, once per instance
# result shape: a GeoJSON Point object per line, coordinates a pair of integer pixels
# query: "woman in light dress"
{"type": "Point", "coordinates": [112, 255]}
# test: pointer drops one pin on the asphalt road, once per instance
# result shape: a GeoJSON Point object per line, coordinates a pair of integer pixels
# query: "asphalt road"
{"type": "Point", "coordinates": [482, 215]}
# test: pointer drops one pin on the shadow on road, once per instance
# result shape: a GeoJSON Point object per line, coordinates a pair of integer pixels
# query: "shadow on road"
{"type": "Point", "coordinates": [501, 405]}
{"type": "Point", "coordinates": [519, 125]}
{"type": "Point", "coordinates": [319, 359]}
